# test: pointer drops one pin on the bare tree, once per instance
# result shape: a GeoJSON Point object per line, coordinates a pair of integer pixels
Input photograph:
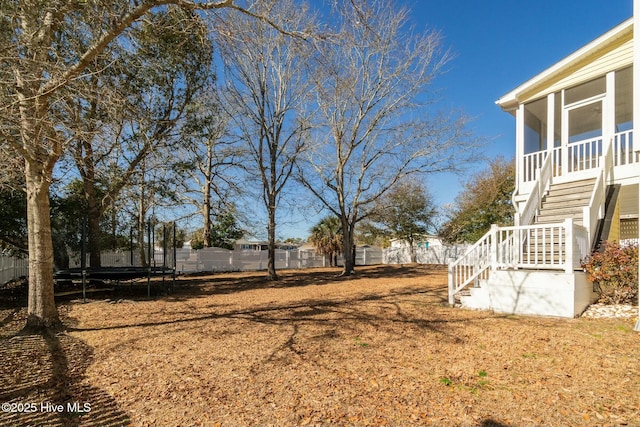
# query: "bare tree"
{"type": "Point", "coordinates": [208, 164]}
{"type": "Point", "coordinates": [267, 87]}
{"type": "Point", "coordinates": [375, 123]}
{"type": "Point", "coordinates": [41, 64]}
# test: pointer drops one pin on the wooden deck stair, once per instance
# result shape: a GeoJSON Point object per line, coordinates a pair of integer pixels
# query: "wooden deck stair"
{"type": "Point", "coordinates": [565, 200]}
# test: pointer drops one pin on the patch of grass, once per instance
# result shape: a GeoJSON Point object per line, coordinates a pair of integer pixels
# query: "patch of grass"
{"type": "Point", "coordinates": [530, 356]}
{"type": "Point", "coordinates": [361, 343]}
{"type": "Point", "coordinates": [482, 373]}
{"type": "Point", "coordinates": [446, 381]}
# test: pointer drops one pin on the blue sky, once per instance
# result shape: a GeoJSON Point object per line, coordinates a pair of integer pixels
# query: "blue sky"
{"type": "Point", "coordinates": [500, 44]}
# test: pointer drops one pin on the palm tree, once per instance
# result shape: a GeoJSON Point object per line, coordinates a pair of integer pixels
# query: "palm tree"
{"type": "Point", "coordinates": [326, 237]}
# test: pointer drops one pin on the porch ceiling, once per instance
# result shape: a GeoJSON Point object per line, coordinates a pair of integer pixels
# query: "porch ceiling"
{"type": "Point", "coordinates": [565, 67]}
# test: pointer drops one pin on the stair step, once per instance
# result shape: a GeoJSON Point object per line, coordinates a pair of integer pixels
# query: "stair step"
{"type": "Point", "coordinates": [561, 213]}
{"type": "Point", "coordinates": [568, 194]}
{"type": "Point", "coordinates": [574, 184]}
{"type": "Point", "coordinates": [556, 259]}
{"type": "Point", "coordinates": [546, 218]}
{"type": "Point", "coordinates": [560, 202]}
{"type": "Point", "coordinates": [567, 212]}
{"type": "Point", "coordinates": [578, 191]}
{"type": "Point", "coordinates": [546, 247]}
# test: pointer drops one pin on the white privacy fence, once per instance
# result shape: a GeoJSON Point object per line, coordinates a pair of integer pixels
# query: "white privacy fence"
{"type": "Point", "coordinates": [432, 255]}
{"type": "Point", "coordinates": [202, 260]}
{"type": "Point", "coordinates": [216, 259]}
{"type": "Point", "coordinates": [13, 268]}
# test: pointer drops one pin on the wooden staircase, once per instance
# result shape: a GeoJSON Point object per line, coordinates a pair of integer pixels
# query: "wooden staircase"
{"type": "Point", "coordinates": [565, 200]}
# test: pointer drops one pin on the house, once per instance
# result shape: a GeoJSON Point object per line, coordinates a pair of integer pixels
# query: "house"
{"type": "Point", "coordinates": [248, 245]}
{"type": "Point", "coordinates": [422, 241]}
{"type": "Point", "coordinates": [577, 184]}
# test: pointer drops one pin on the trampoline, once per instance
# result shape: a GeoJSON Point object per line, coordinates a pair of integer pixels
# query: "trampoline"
{"type": "Point", "coordinates": [117, 274]}
{"type": "Point", "coordinates": [111, 274]}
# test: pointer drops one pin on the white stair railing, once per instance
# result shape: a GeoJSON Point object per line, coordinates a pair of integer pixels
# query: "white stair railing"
{"type": "Point", "coordinates": [594, 211]}
{"type": "Point", "coordinates": [559, 246]}
{"type": "Point", "coordinates": [472, 266]}
{"type": "Point", "coordinates": [540, 187]}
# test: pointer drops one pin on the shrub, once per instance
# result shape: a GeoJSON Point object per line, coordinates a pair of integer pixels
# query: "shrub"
{"type": "Point", "coordinates": [197, 242]}
{"type": "Point", "coordinates": [614, 272]}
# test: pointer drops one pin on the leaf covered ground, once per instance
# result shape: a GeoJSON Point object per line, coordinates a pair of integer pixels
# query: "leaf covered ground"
{"type": "Point", "coordinates": [381, 348]}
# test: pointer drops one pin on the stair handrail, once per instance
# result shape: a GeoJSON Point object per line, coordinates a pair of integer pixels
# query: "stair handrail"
{"type": "Point", "coordinates": [470, 266]}
{"type": "Point", "coordinates": [540, 187]}
{"type": "Point", "coordinates": [594, 211]}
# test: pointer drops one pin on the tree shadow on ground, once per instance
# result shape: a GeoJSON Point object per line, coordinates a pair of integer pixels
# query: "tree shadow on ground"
{"type": "Point", "coordinates": [203, 285]}
{"type": "Point", "coordinates": [326, 312]}
{"type": "Point", "coordinates": [229, 283]}
{"type": "Point", "coordinates": [489, 422]}
{"type": "Point", "coordinates": [41, 384]}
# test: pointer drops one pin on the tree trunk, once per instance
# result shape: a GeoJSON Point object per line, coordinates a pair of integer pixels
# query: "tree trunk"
{"type": "Point", "coordinates": [206, 203]}
{"type": "Point", "coordinates": [93, 225]}
{"type": "Point", "coordinates": [141, 239]}
{"type": "Point", "coordinates": [412, 252]}
{"type": "Point", "coordinates": [271, 264]}
{"type": "Point", "coordinates": [141, 229]}
{"type": "Point", "coordinates": [347, 250]}
{"type": "Point", "coordinates": [206, 215]}
{"type": "Point", "coordinates": [42, 312]}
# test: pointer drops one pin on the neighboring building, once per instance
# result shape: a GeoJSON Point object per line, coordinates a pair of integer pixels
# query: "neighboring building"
{"type": "Point", "coordinates": [577, 184]}
{"type": "Point", "coordinates": [423, 241]}
{"type": "Point", "coordinates": [247, 245]}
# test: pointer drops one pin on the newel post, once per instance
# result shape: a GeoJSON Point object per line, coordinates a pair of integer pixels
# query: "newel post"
{"type": "Point", "coordinates": [493, 246]}
{"type": "Point", "coordinates": [568, 245]}
{"type": "Point", "coordinates": [450, 276]}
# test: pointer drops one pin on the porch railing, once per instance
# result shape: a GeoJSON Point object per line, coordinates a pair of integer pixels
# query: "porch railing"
{"type": "Point", "coordinates": [532, 163]}
{"type": "Point", "coordinates": [580, 156]}
{"type": "Point", "coordinates": [540, 187]}
{"type": "Point", "coordinates": [584, 155]}
{"type": "Point", "coordinates": [623, 153]}
{"type": "Point", "coordinates": [560, 246]}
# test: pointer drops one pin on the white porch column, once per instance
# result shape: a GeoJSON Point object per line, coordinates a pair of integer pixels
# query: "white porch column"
{"type": "Point", "coordinates": [551, 118]}
{"type": "Point", "coordinates": [519, 155]}
{"type": "Point", "coordinates": [636, 114]}
{"type": "Point", "coordinates": [564, 138]}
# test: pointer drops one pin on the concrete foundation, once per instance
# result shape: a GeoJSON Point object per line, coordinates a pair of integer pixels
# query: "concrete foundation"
{"type": "Point", "coordinates": [540, 293]}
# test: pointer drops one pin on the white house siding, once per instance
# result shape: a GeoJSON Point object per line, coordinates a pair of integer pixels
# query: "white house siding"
{"type": "Point", "coordinates": [614, 59]}
{"type": "Point", "coordinates": [629, 201]}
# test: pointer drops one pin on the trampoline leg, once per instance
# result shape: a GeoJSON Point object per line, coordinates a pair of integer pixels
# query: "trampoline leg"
{"type": "Point", "coordinates": [84, 286]}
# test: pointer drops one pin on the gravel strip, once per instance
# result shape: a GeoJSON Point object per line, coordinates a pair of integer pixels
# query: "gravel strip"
{"type": "Point", "coordinates": [619, 311]}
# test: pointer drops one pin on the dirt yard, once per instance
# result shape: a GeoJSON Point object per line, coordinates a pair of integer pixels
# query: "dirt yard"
{"type": "Point", "coordinates": [379, 349]}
